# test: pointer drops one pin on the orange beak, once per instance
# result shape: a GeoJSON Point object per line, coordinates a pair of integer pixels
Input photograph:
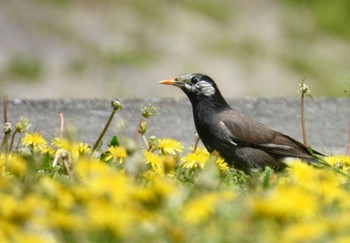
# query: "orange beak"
{"type": "Point", "coordinates": [168, 81]}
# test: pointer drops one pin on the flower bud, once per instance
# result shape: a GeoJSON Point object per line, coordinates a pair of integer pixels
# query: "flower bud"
{"type": "Point", "coordinates": [149, 111]}
{"type": "Point", "coordinates": [23, 125]}
{"type": "Point", "coordinates": [7, 128]}
{"type": "Point", "coordinates": [305, 89]}
{"type": "Point", "coordinates": [116, 105]}
{"type": "Point", "coordinates": [153, 143]}
{"type": "Point", "coordinates": [143, 128]}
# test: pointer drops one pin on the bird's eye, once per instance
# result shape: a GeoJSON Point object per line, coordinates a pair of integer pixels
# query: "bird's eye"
{"type": "Point", "coordinates": [195, 80]}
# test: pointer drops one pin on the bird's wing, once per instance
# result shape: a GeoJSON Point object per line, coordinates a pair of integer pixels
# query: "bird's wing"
{"type": "Point", "coordinates": [246, 132]}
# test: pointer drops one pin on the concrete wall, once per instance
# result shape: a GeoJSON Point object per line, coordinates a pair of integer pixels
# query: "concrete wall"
{"type": "Point", "coordinates": [327, 119]}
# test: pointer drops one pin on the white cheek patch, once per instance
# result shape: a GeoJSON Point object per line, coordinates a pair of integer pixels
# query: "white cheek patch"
{"type": "Point", "coordinates": [188, 87]}
{"type": "Point", "coordinates": [205, 88]}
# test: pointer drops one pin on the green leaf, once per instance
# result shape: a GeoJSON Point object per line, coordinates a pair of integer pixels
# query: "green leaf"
{"type": "Point", "coordinates": [114, 142]}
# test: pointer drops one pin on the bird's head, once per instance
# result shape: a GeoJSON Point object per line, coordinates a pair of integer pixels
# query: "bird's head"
{"type": "Point", "coordinates": [194, 85]}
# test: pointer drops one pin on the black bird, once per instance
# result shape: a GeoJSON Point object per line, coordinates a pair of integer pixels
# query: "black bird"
{"type": "Point", "coordinates": [242, 142]}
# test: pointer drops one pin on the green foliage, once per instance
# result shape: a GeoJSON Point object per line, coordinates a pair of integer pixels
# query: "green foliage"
{"type": "Point", "coordinates": [25, 67]}
{"type": "Point", "coordinates": [55, 2]}
{"type": "Point", "coordinates": [347, 90]}
{"type": "Point", "coordinates": [218, 10]}
{"type": "Point", "coordinates": [331, 17]}
{"type": "Point", "coordinates": [77, 66]}
{"type": "Point", "coordinates": [114, 142]}
{"type": "Point", "coordinates": [136, 58]}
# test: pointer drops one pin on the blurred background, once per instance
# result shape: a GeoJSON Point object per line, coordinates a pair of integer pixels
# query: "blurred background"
{"type": "Point", "coordinates": [95, 49]}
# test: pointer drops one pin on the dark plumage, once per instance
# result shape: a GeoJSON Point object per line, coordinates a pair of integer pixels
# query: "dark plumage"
{"type": "Point", "coordinates": [241, 141]}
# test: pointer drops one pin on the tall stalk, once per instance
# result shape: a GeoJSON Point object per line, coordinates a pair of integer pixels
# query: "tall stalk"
{"type": "Point", "coordinates": [305, 92]}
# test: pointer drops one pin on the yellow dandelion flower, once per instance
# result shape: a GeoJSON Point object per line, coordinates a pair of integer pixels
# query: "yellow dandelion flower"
{"type": "Point", "coordinates": [116, 153]}
{"type": "Point", "coordinates": [100, 186]}
{"type": "Point", "coordinates": [202, 207]}
{"type": "Point", "coordinates": [47, 149]}
{"type": "Point", "coordinates": [329, 188]}
{"type": "Point", "coordinates": [12, 208]}
{"type": "Point", "coordinates": [142, 194]}
{"type": "Point", "coordinates": [62, 143]}
{"type": "Point", "coordinates": [57, 191]}
{"type": "Point", "coordinates": [86, 169]}
{"type": "Point", "coordinates": [161, 164]}
{"type": "Point", "coordinates": [170, 146]}
{"type": "Point", "coordinates": [16, 165]}
{"type": "Point", "coordinates": [222, 165]}
{"type": "Point", "coordinates": [198, 209]}
{"type": "Point", "coordinates": [299, 232]}
{"type": "Point", "coordinates": [65, 220]}
{"type": "Point", "coordinates": [195, 159]}
{"type": "Point", "coordinates": [82, 148]}
{"type": "Point", "coordinates": [105, 215]}
{"type": "Point", "coordinates": [278, 204]}
{"type": "Point", "coordinates": [158, 189]}
{"type": "Point", "coordinates": [162, 186]}
{"type": "Point", "coordinates": [73, 149]}
{"type": "Point", "coordinates": [64, 147]}
{"type": "Point", "coordinates": [339, 161]}
{"type": "Point", "coordinates": [34, 139]}
{"type": "Point", "coordinates": [154, 159]}
{"type": "Point", "coordinates": [301, 171]}
{"type": "Point", "coordinates": [323, 183]}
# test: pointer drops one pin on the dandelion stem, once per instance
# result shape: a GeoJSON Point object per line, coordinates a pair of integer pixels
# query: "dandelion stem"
{"type": "Point", "coordinates": [138, 128]}
{"type": "Point", "coordinates": [303, 117]}
{"type": "Point", "coordinates": [65, 163]}
{"type": "Point", "coordinates": [6, 134]}
{"type": "Point", "coordinates": [60, 114]}
{"type": "Point", "coordinates": [116, 105]}
{"type": "Point", "coordinates": [12, 140]}
{"type": "Point", "coordinates": [196, 142]}
{"type": "Point", "coordinates": [5, 143]}
{"type": "Point", "coordinates": [347, 151]}
{"type": "Point", "coordinates": [5, 109]}
{"type": "Point", "coordinates": [98, 141]}
{"type": "Point", "coordinates": [2, 143]}
{"type": "Point", "coordinates": [147, 112]}
{"type": "Point", "coordinates": [305, 91]}
{"type": "Point", "coordinates": [145, 141]}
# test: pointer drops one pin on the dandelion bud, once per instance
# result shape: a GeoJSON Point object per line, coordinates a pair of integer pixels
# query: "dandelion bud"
{"type": "Point", "coordinates": [153, 143]}
{"type": "Point", "coordinates": [143, 128]}
{"type": "Point", "coordinates": [7, 128]}
{"type": "Point", "coordinates": [23, 125]}
{"type": "Point", "coordinates": [25, 152]}
{"type": "Point", "coordinates": [169, 163]}
{"type": "Point", "coordinates": [305, 89]}
{"type": "Point", "coordinates": [149, 111]}
{"type": "Point", "coordinates": [116, 105]}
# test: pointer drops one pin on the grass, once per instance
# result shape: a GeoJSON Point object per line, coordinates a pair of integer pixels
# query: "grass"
{"type": "Point", "coordinates": [67, 191]}
{"type": "Point", "coordinates": [327, 18]}
{"type": "Point", "coordinates": [220, 11]}
{"type": "Point", "coordinates": [22, 67]}
{"type": "Point", "coordinates": [135, 58]}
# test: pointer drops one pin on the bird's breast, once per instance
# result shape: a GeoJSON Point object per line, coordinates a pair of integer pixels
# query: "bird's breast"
{"type": "Point", "coordinates": [207, 129]}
